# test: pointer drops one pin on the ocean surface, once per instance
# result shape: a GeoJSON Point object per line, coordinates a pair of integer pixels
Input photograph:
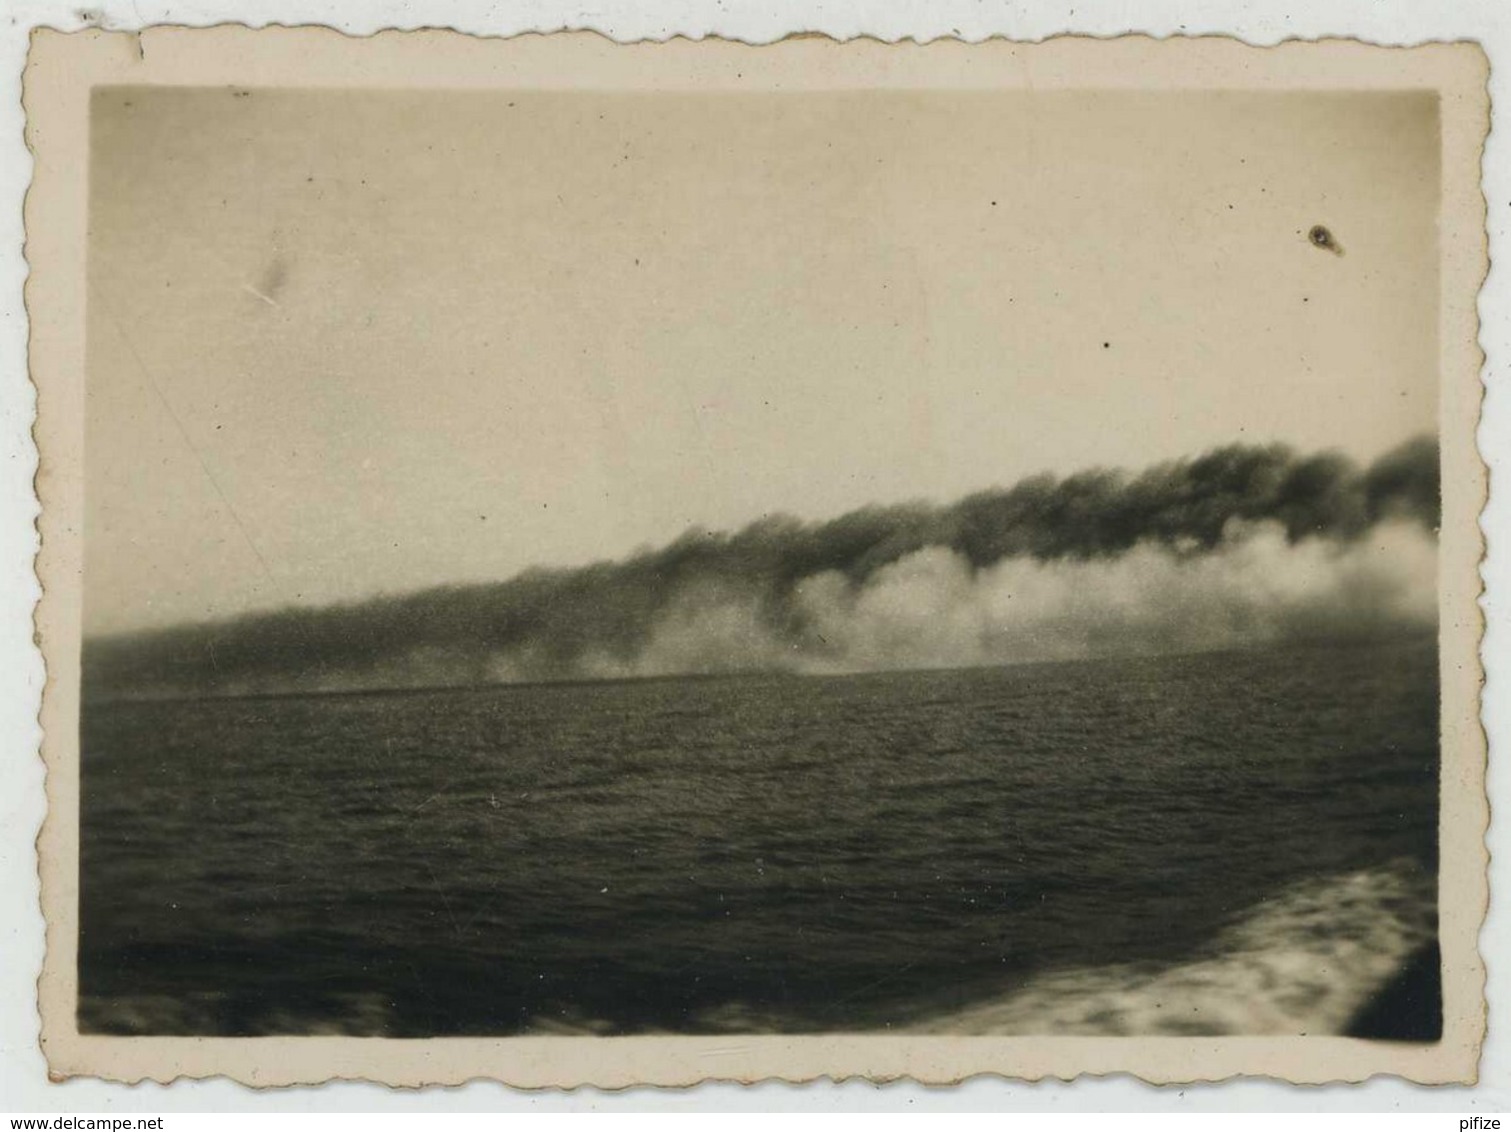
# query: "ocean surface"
{"type": "Point", "coordinates": [1239, 842]}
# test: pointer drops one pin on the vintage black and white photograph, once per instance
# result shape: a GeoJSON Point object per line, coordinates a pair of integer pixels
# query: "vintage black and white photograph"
{"type": "Point", "coordinates": [875, 560]}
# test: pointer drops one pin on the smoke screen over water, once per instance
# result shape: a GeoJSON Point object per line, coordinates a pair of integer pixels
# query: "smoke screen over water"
{"type": "Point", "coordinates": [1241, 545]}
{"type": "Point", "coordinates": [1128, 843]}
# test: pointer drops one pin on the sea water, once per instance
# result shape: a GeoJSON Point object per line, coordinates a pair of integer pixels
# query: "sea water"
{"type": "Point", "coordinates": [1238, 842]}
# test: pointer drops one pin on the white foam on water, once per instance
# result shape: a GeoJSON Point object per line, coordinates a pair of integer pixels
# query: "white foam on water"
{"type": "Point", "coordinates": [1304, 962]}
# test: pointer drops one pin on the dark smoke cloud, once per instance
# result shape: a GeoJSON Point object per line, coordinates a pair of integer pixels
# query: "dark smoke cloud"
{"type": "Point", "coordinates": [1240, 545]}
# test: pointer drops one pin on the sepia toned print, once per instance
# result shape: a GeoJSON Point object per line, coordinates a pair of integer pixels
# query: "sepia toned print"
{"type": "Point", "coordinates": [628, 564]}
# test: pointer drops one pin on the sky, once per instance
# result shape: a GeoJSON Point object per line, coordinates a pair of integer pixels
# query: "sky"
{"type": "Point", "coordinates": [351, 343]}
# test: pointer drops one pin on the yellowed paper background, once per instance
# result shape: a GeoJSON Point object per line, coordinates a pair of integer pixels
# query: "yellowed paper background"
{"type": "Point", "coordinates": [64, 69]}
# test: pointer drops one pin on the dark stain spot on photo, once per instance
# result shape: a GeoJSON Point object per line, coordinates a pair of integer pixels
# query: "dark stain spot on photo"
{"type": "Point", "coordinates": [1322, 237]}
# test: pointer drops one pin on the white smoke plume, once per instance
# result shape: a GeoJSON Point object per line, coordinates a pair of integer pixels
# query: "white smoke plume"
{"type": "Point", "coordinates": [931, 609]}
